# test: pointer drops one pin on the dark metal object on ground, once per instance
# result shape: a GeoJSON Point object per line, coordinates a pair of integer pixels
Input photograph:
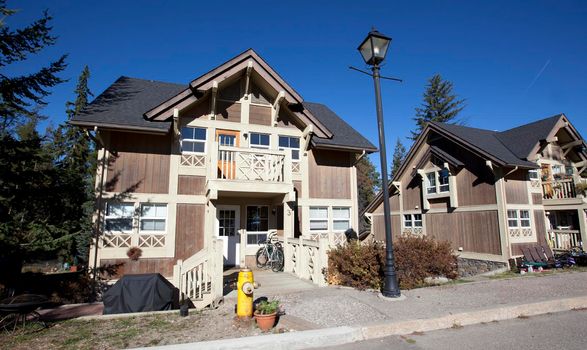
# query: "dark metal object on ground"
{"type": "Point", "coordinates": [20, 310]}
{"type": "Point", "coordinates": [139, 293]}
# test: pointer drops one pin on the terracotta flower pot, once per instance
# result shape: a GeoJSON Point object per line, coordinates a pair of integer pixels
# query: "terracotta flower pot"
{"type": "Point", "coordinates": [265, 322]}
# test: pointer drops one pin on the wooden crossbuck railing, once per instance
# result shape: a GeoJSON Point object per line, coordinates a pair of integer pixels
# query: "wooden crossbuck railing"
{"type": "Point", "coordinates": [564, 239]}
{"type": "Point", "coordinates": [236, 163]}
{"type": "Point", "coordinates": [559, 189]}
{"type": "Point", "coordinates": [306, 258]}
{"type": "Point", "coordinates": [199, 277]}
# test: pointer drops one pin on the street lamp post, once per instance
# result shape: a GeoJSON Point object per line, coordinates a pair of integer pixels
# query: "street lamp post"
{"type": "Point", "coordinates": [373, 50]}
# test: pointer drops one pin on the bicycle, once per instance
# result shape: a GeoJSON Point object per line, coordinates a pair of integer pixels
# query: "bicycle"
{"type": "Point", "coordinates": [270, 255]}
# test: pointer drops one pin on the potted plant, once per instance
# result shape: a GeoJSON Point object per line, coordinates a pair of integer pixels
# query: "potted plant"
{"type": "Point", "coordinates": [266, 313]}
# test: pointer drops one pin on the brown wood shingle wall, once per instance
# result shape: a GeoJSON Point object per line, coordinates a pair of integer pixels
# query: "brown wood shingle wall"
{"type": "Point", "coordinates": [228, 111]}
{"type": "Point", "coordinates": [138, 163]}
{"type": "Point", "coordinates": [164, 266]}
{"type": "Point", "coordinates": [474, 231]}
{"type": "Point", "coordinates": [189, 184]}
{"type": "Point", "coordinates": [260, 115]}
{"type": "Point", "coordinates": [516, 191]}
{"type": "Point", "coordinates": [189, 230]}
{"type": "Point", "coordinates": [329, 174]}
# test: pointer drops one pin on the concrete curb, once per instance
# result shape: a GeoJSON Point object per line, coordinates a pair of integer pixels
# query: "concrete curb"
{"type": "Point", "coordinates": [473, 317]}
{"type": "Point", "coordinates": [294, 340]}
{"type": "Point", "coordinates": [342, 335]}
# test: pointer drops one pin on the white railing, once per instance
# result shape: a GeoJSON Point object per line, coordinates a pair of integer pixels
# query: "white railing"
{"type": "Point", "coordinates": [199, 277]}
{"type": "Point", "coordinates": [151, 241]}
{"type": "Point", "coordinates": [564, 239]}
{"type": "Point", "coordinates": [116, 240]}
{"type": "Point", "coordinates": [559, 189]}
{"type": "Point", "coordinates": [333, 238]}
{"type": "Point", "coordinates": [234, 163]}
{"type": "Point", "coordinates": [193, 160]}
{"type": "Point", "coordinates": [306, 258]}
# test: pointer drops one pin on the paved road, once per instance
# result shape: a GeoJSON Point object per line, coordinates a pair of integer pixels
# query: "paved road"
{"type": "Point", "coordinates": [564, 330]}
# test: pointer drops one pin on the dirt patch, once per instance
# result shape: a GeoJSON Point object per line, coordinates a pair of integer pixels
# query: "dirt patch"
{"type": "Point", "coordinates": [140, 331]}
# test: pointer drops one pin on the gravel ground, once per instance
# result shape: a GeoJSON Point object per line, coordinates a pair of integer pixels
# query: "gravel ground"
{"type": "Point", "coordinates": [331, 306]}
{"type": "Point", "coordinates": [135, 331]}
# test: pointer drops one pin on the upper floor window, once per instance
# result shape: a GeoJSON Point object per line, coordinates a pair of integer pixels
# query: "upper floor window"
{"type": "Point", "coordinates": [259, 140]}
{"type": "Point", "coordinates": [412, 220]}
{"type": "Point", "coordinates": [341, 218]}
{"type": "Point", "coordinates": [533, 174]}
{"type": "Point", "coordinates": [153, 217]}
{"type": "Point", "coordinates": [290, 142]}
{"type": "Point", "coordinates": [437, 181]}
{"type": "Point", "coordinates": [318, 218]}
{"type": "Point", "coordinates": [119, 217]}
{"type": "Point", "coordinates": [518, 218]}
{"type": "Point", "coordinates": [193, 140]}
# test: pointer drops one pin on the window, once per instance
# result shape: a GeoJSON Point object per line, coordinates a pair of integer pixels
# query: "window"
{"type": "Point", "coordinates": [412, 220]}
{"type": "Point", "coordinates": [259, 141]}
{"type": "Point", "coordinates": [568, 170]}
{"type": "Point", "coordinates": [257, 223]}
{"type": "Point", "coordinates": [431, 188]}
{"type": "Point", "coordinates": [318, 218]}
{"type": "Point", "coordinates": [193, 140]}
{"type": "Point", "coordinates": [518, 218]}
{"type": "Point", "coordinates": [226, 222]}
{"type": "Point", "coordinates": [226, 140]}
{"type": "Point", "coordinates": [341, 218]}
{"type": "Point", "coordinates": [119, 217]}
{"type": "Point", "coordinates": [533, 174]}
{"type": "Point", "coordinates": [557, 169]}
{"type": "Point", "coordinates": [153, 217]}
{"type": "Point", "coordinates": [293, 143]}
{"type": "Point", "coordinates": [437, 181]}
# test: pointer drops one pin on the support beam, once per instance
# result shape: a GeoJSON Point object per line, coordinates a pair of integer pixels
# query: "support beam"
{"type": "Point", "coordinates": [572, 144]}
{"type": "Point", "coordinates": [489, 165]}
{"type": "Point", "coordinates": [248, 79]}
{"type": "Point", "coordinates": [213, 100]}
{"type": "Point", "coordinates": [308, 131]}
{"type": "Point", "coordinates": [276, 105]}
{"type": "Point", "coordinates": [176, 122]}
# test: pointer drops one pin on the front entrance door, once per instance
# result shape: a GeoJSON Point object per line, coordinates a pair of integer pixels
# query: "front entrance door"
{"type": "Point", "coordinates": [226, 157]}
{"type": "Point", "coordinates": [228, 224]}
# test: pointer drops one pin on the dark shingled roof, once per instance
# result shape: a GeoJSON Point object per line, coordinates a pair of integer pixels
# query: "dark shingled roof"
{"type": "Point", "coordinates": [521, 140]}
{"type": "Point", "coordinates": [343, 134]}
{"type": "Point", "coordinates": [512, 146]}
{"type": "Point", "coordinates": [124, 102]}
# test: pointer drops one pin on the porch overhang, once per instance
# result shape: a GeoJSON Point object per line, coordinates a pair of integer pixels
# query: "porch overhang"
{"type": "Point", "coordinates": [250, 189]}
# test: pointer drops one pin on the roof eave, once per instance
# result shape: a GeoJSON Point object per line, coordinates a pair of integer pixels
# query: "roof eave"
{"type": "Point", "coordinates": [111, 126]}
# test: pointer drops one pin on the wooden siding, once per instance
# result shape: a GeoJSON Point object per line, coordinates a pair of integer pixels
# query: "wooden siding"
{"type": "Point", "coordinates": [189, 230]}
{"type": "Point", "coordinates": [393, 203]}
{"type": "Point", "coordinates": [516, 190]}
{"type": "Point", "coordinates": [411, 192]}
{"type": "Point", "coordinates": [260, 115]}
{"type": "Point", "coordinates": [194, 185]}
{"type": "Point", "coordinates": [378, 227]}
{"type": "Point", "coordinates": [285, 120]}
{"type": "Point", "coordinates": [298, 187]}
{"type": "Point", "coordinates": [228, 111]}
{"type": "Point", "coordinates": [329, 174]}
{"type": "Point", "coordinates": [540, 225]}
{"type": "Point", "coordinates": [164, 266]}
{"type": "Point", "coordinates": [138, 163]}
{"type": "Point", "coordinates": [197, 110]}
{"type": "Point", "coordinates": [536, 198]}
{"type": "Point", "coordinates": [474, 231]}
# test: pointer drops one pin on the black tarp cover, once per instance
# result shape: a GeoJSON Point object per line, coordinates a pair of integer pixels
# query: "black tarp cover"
{"type": "Point", "coordinates": [138, 293]}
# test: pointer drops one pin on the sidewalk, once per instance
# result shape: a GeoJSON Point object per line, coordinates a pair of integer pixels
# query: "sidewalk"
{"type": "Point", "coordinates": [342, 315]}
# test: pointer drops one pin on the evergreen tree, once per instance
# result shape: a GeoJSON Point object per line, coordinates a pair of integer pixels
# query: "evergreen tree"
{"type": "Point", "coordinates": [368, 183]}
{"type": "Point", "coordinates": [399, 154]}
{"type": "Point", "coordinates": [75, 160]}
{"type": "Point", "coordinates": [440, 104]}
{"type": "Point", "coordinates": [19, 94]}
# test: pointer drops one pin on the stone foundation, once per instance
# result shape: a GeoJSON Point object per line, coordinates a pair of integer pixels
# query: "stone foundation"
{"type": "Point", "coordinates": [472, 267]}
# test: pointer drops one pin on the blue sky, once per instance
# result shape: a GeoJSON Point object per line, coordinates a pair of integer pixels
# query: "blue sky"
{"type": "Point", "coordinates": [513, 61]}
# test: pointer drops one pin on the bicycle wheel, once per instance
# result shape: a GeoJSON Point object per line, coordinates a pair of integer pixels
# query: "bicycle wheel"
{"type": "Point", "coordinates": [261, 257]}
{"type": "Point", "coordinates": [277, 260]}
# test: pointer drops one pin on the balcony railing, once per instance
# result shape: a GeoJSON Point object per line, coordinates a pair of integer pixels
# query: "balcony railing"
{"type": "Point", "coordinates": [234, 163]}
{"type": "Point", "coordinates": [564, 239]}
{"type": "Point", "coordinates": [559, 189]}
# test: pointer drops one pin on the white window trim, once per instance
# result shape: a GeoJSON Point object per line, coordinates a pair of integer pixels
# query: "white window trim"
{"type": "Point", "coordinates": [536, 174]}
{"type": "Point", "coordinates": [518, 219]}
{"type": "Point", "coordinates": [132, 219]}
{"type": "Point", "coordinates": [141, 218]}
{"type": "Point", "coordinates": [291, 148]}
{"type": "Point", "coordinates": [437, 186]}
{"type": "Point", "coordinates": [255, 233]}
{"type": "Point", "coordinates": [259, 146]}
{"type": "Point", "coordinates": [327, 218]}
{"type": "Point", "coordinates": [348, 220]}
{"type": "Point", "coordinates": [412, 220]}
{"type": "Point", "coordinates": [205, 141]}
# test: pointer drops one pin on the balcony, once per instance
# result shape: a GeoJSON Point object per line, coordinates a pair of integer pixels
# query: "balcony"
{"type": "Point", "coordinates": [246, 170]}
{"type": "Point", "coordinates": [559, 189]}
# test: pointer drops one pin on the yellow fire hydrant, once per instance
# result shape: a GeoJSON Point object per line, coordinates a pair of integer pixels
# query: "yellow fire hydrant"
{"type": "Point", "coordinates": [244, 299]}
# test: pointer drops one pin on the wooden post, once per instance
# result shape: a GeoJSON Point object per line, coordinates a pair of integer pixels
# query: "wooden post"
{"type": "Point", "coordinates": [287, 266]}
{"type": "Point", "coordinates": [323, 259]}
{"type": "Point", "coordinates": [301, 259]}
{"type": "Point", "coordinates": [582, 227]}
{"type": "Point", "coordinates": [217, 260]}
{"type": "Point", "coordinates": [177, 275]}
{"type": "Point", "coordinates": [287, 168]}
